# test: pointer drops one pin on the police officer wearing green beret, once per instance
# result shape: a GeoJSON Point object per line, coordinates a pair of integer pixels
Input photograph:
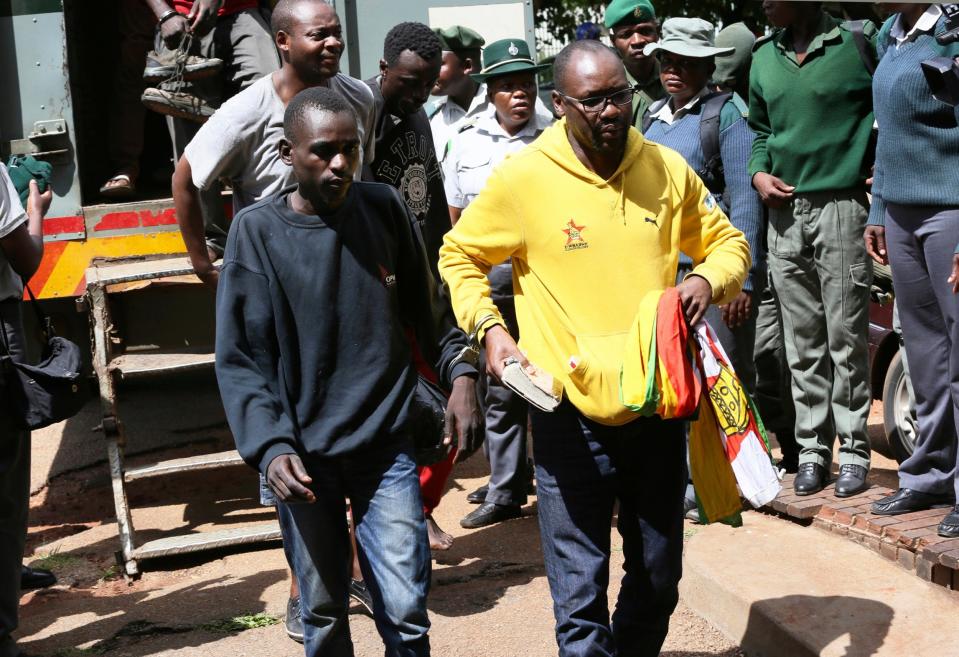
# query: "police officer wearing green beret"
{"type": "Point", "coordinates": [459, 96]}
{"type": "Point", "coordinates": [632, 25]}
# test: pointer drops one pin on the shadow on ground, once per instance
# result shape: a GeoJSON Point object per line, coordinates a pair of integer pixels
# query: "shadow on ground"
{"type": "Point", "coordinates": [866, 622]}
{"type": "Point", "coordinates": [139, 613]}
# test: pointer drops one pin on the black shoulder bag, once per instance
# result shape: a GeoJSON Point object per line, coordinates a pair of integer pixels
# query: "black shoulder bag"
{"type": "Point", "coordinates": [46, 393]}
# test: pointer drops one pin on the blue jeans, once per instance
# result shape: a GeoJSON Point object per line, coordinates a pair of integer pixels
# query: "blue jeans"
{"type": "Point", "coordinates": [582, 468]}
{"type": "Point", "coordinates": [384, 491]}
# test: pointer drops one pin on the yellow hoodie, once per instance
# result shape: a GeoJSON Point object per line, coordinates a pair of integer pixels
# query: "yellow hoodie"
{"type": "Point", "coordinates": [585, 251]}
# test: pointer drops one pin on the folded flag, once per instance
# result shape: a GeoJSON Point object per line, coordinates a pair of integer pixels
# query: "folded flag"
{"type": "Point", "coordinates": [672, 372]}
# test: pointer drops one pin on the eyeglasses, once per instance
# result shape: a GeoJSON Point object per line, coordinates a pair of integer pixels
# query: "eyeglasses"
{"type": "Point", "coordinates": [596, 104]}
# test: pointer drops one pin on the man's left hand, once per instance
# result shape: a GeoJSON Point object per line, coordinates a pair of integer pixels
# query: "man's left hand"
{"type": "Point", "coordinates": [464, 421]}
{"type": "Point", "coordinates": [737, 312]}
{"type": "Point", "coordinates": [696, 294]}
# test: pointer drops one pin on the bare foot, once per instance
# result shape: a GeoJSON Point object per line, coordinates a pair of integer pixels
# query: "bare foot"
{"type": "Point", "coordinates": [439, 540]}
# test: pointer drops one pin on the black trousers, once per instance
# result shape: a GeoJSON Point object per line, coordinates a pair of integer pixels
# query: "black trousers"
{"type": "Point", "coordinates": [14, 492]}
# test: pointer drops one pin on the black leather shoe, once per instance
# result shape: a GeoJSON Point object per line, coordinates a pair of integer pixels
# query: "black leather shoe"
{"type": "Point", "coordinates": [35, 578]}
{"type": "Point", "coordinates": [478, 496]}
{"type": "Point", "coordinates": [906, 500]}
{"type": "Point", "coordinates": [851, 481]}
{"type": "Point", "coordinates": [949, 527]}
{"type": "Point", "coordinates": [490, 513]}
{"type": "Point", "coordinates": [810, 479]}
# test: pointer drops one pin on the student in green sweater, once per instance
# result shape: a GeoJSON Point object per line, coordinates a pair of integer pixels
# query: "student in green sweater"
{"type": "Point", "coordinates": [810, 105]}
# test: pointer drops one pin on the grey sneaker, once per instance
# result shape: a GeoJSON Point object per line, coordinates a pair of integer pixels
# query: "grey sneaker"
{"type": "Point", "coordinates": [294, 623]}
{"type": "Point", "coordinates": [177, 104]}
{"type": "Point", "coordinates": [361, 594]}
{"type": "Point", "coordinates": [162, 67]}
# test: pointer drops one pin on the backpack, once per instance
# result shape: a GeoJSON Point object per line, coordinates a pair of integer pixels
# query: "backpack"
{"type": "Point", "coordinates": [712, 172]}
{"type": "Point", "coordinates": [867, 54]}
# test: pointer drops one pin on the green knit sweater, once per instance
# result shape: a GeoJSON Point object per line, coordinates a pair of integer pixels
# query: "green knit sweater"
{"type": "Point", "coordinates": [812, 121]}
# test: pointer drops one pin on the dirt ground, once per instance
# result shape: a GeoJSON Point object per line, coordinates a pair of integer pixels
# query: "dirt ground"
{"type": "Point", "coordinates": [489, 595]}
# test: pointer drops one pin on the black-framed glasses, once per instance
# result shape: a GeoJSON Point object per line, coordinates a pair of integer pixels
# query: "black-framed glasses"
{"type": "Point", "coordinates": [596, 104]}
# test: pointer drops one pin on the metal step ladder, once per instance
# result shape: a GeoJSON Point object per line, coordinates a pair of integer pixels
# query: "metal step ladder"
{"type": "Point", "coordinates": [113, 361]}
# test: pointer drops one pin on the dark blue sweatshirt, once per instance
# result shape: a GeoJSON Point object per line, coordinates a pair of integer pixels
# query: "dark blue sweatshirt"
{"type": "Point", "coordinates": [312, 355]}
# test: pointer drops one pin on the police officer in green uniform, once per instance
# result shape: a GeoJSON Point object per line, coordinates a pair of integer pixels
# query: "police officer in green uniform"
{"type": "Point", "coordinates": [810, 105]}
{"type": "Point", "coordinates": [632, 26]}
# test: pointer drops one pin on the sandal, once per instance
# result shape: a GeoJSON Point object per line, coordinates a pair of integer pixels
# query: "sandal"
{"type": "Point", "coordinates": [119, 186]}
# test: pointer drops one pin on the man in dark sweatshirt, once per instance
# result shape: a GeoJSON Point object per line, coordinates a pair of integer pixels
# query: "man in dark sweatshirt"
{"type": "Point", "coordinates": [319, 288]}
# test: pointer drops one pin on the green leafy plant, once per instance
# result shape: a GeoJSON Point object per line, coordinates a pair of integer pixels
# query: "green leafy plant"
{"type": "Point", "coordinates": [240, 623]}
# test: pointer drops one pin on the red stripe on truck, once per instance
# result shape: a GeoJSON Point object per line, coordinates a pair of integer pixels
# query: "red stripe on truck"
{"type": "Point", "coordinates": [60, 225]}
{"type": "Point", "coordinates": [135, 219]}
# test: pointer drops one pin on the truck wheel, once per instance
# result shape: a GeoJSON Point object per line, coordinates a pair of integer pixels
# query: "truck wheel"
{"type": "Point", "coordinates": [898, 413]}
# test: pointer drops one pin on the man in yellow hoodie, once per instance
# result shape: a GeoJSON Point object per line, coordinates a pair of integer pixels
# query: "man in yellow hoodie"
{"type": "Point", "coordinates": [593, 217]}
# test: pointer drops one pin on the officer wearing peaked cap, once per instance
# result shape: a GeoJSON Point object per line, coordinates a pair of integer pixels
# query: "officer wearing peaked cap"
{"type": "Point", "coordinates": [508, 125]}
{"type": "Point", "coordinates": [462, 93]}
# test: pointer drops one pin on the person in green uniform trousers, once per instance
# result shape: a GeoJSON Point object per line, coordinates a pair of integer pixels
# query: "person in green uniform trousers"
{"type": "Point", "coordinates": [632, 26]}
{"type": "Point", "coordinates": [810, 105]}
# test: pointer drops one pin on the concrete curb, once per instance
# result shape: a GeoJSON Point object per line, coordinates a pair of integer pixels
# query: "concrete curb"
{"type": "Point", "coordinates": [781, 590]}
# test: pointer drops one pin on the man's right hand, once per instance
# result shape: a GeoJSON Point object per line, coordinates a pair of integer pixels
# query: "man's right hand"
{"type": "Point", "coordinates": [288, 478]}
{"type": "Point", "coordinates": [173, 30]}
{"type": "Point", "coordinates": [773, 192]}
{"type": "Point", "coordinates": [875, 237]}
{"type": "Point", "coordinates": [500, 345]}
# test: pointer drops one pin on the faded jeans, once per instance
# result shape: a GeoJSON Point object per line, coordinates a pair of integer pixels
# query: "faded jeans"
{"type": "Point", "coordinates": [384, 491]}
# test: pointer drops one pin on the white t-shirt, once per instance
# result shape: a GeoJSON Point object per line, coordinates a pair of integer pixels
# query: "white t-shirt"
{"type": "Point", "coordinates": [12, 216]}
{"type": "Point", "coordinates": [241, 140]}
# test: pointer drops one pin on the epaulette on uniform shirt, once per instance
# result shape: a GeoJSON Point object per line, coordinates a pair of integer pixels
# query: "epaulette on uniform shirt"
{"type": "Point", "coordinates": [741, 105]}
{"type": "Point", "coordinates": [433, 107]}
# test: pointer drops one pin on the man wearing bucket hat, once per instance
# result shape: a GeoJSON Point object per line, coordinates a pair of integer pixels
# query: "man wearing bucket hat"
{"type": "Point", "coordinates": [632, 26]}
{"type": "Point", "coordinates": [810, 105]}
{"type": "Point", "coordinates": [692, 120]}
{"type": "Point", "coordinates": [507, 126]}
{"type": "Point", "coordinates": [459, 95]}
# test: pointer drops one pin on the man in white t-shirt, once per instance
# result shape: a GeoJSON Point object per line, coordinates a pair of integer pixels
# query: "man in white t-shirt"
{"type": "Point", "coordinates": [240, 142]}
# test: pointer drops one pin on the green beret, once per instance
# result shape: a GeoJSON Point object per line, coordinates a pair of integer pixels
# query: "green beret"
{"type": "Point", "coordinates": [639, 11]}
{"type": "Point", "coordinates": [458, 38]}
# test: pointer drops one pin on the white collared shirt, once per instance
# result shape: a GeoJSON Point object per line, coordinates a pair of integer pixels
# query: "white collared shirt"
{"type": "Point", "coordinates": [668, 116]}
{"type": "Point", "coordinates": [477, 149]}
{"type": "Point", "coordinates": [449, 116]}
{"type": "Point", "coordinates": [925, 23]}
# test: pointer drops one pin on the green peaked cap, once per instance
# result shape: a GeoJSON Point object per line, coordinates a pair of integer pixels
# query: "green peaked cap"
{"type": "Point", "coordinates": [507, 56]}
